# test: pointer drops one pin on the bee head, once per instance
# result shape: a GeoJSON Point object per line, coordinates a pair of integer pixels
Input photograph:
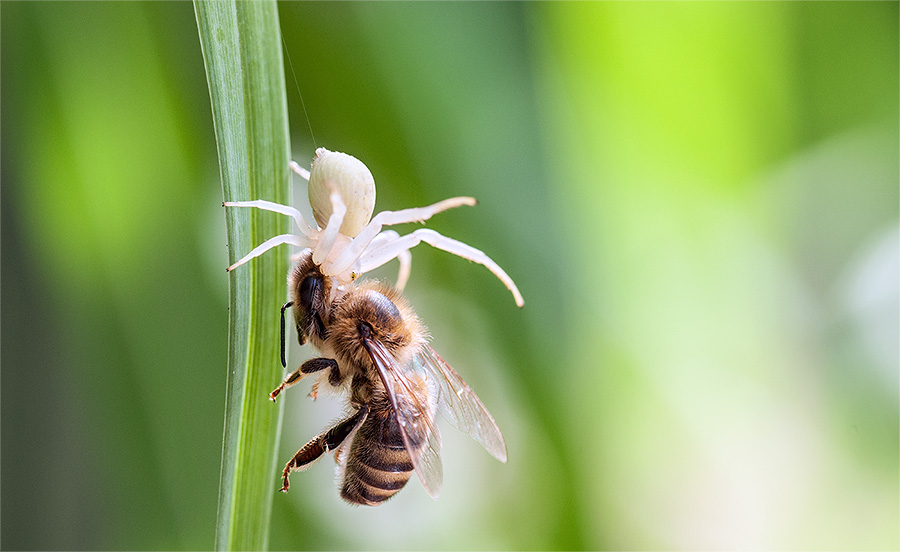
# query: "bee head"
{"type": "Point", "coordinates": [309, 291]}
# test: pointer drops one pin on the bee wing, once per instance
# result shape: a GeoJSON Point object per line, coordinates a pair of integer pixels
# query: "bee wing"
{"type": "Point", "coordinates": [461, 406]}
{"type": "Point", "coordinates": [413, 395]}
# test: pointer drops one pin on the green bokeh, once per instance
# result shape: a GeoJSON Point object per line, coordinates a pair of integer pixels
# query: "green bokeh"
{"type": "Point", "coordinates": [699, 202]}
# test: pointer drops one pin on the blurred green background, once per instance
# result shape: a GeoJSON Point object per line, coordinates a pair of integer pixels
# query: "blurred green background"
{"type": "Point", "coordinates": [699, 202]}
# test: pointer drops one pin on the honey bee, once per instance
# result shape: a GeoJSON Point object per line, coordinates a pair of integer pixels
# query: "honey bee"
{"type": "Point", "coordinates": [373, 344]}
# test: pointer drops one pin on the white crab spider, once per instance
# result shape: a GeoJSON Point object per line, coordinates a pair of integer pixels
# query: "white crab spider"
{"type": "Point", "coordinates": [348, 241]}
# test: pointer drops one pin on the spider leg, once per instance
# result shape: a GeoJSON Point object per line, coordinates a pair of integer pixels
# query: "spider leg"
{"type": "Point", "coordinates": [304, 174]}
{"type": "Point", "coordinates": [276, 208]}
{"type": "Point", "coordinates": [383, 238]}
{"type": "Point", "coordinates": [388, 218]}
{"type": "Point", "coordinates": [405, 258]}
{"type": "Point", "coordinates": [292, 239]}
{"type": "Point", "coordinates": [328, 236]}
{"type": "Point", "coordinates": [377, 257]}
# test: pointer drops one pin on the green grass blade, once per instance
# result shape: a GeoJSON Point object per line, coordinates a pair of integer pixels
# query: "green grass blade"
{"type": "Point", "coordinates": [242, 54]}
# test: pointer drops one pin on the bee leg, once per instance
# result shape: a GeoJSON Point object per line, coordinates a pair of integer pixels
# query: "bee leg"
{"type": "Point", "coordinates": [334, 378]}
{"type": "Point", "coordinates": [322, 443]}
{"type": "Point", "coordinates": [310, 366]}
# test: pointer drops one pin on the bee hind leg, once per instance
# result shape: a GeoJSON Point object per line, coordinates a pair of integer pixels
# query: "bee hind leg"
{"type": "Point", "coordinates": [311, 366]}
{"type": "Point", "coordinates": [322, 443]}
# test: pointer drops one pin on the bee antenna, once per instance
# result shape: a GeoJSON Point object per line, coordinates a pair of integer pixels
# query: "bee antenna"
{"type": "Point", "coordinates": [283, 359]}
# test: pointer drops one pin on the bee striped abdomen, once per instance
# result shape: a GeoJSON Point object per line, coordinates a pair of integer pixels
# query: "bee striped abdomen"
{"type": "Point", "coordinates": [378, 464]}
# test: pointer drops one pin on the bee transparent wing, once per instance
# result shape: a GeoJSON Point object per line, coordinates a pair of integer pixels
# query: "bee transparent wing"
{"type": "Point", "coordinates": [413, 396]}
{"type": "Point", "coordinates": [461, 406]}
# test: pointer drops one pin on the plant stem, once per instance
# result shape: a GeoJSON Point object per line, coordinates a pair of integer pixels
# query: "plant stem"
{"type": "Point", "coordinates": [242, 54]}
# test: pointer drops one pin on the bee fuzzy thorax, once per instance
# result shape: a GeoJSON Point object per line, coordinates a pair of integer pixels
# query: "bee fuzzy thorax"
{"type": "Point", "coordinates": [374, 311]}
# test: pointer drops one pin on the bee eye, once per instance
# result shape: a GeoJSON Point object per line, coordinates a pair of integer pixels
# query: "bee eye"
{"type": "Point", "coordinates": [310, 290]}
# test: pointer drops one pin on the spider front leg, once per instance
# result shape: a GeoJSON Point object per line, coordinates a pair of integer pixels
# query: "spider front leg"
{"type": "Point", "coordinates": [311, 366]}
{"type": "Point", "coordinates": [330, 233]}
{"type": "Point", "coordinates": [276, 208]}
{"type": "Point", "coordinates": [367, 235]}
{"type": "Point", "coordinates": [322, 443]}
{"type": "Point", "coordinates": [299, 241]}
{"type": "Point", "coordinates": [375, 257]}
